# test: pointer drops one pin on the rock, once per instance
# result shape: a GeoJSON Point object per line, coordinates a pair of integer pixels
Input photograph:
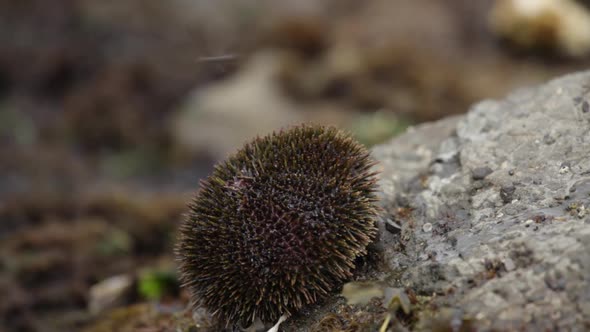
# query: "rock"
{"type": "Point", "coordinates": [512, 264]}
{"type": "Point", "coordinates": [506, 193]}
{"type": "Point", "coordinates": [480, 173]}
{"type": "Point", "coordinates": [218, 119]}
{"type": "Point", "coordinates": [109, 293]}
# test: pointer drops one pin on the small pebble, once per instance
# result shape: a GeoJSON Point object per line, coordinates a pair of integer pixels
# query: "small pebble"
{"type": "Point", "coordinates": [427, 228]}
{"type": "Point", "coordinates": [528, 222]}
{"type": "Point", "coordinates": [564, 169]}
{"type": "Point", "coordinates": [392, 227]}
{"type": "Point", "coordinates": [548, 139]}
{"type": "Point", "coordinates": [509, 264]}
{"type": "Point", "coordinates": [109, 293]}
{"type": "Point", "coordinates": [581, 212]}
{"type": "Point", "coordinates": [507, 193]}
{"type": "Point", "coordinates": [481, 172]}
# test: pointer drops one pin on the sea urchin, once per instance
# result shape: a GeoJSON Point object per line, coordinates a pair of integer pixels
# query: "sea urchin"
{"type": "Point", "coordinates": [278, 225]}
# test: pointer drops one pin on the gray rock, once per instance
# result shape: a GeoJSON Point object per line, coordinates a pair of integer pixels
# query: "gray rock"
{"type": "Point", "coordinates": [481, 172]}
{"type": "Point", "coordinates": [512, 251]}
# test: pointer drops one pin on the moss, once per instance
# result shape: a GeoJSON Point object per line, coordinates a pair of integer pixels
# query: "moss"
{"type": "Point", "coordinates": [155, 284]}
{"type": "Point", "coordinates": [375, 128]}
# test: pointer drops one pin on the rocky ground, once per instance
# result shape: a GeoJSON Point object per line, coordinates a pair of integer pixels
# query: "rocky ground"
{"type": "Point", "coordinates": [498, 229]}
{"type": "Point", "coordinates": [110, 113]}
{"type": "Point", "coordinates": [485, 225]}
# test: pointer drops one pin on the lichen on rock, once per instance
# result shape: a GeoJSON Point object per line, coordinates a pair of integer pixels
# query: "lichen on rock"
{"type": "Point", "coordinates": [505, 250]}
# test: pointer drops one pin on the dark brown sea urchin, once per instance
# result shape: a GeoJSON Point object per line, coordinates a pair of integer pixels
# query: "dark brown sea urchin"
{"type": "Point", "coordinates": [278, 225]}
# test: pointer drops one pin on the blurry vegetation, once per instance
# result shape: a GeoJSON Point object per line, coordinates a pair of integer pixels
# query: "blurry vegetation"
{"type": "Point", "coordinates": [116, 242]}
{"type": "Point", "coordinates": [16, 127]}
{"type": "Point", "coordinates": [131, 162]}
{"type": "Point", "coordinates": [375, 128]}
{"type": "Point", "coordinates": [155, 284]}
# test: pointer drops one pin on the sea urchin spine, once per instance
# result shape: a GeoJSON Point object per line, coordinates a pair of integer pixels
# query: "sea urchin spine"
{"type": "Point", "coordinates": [278, 225]}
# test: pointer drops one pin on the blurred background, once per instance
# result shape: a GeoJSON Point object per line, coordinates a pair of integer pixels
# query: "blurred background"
{"type": "Point", "coordinates": [111, 112]}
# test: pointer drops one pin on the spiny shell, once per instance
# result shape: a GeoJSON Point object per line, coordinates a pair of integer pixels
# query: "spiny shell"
{"type": "Point", "coordinates": [278, 225]}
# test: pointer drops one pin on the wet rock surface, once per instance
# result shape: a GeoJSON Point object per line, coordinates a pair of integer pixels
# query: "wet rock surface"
{"type": "Point", "coordinates": [493, 213]}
